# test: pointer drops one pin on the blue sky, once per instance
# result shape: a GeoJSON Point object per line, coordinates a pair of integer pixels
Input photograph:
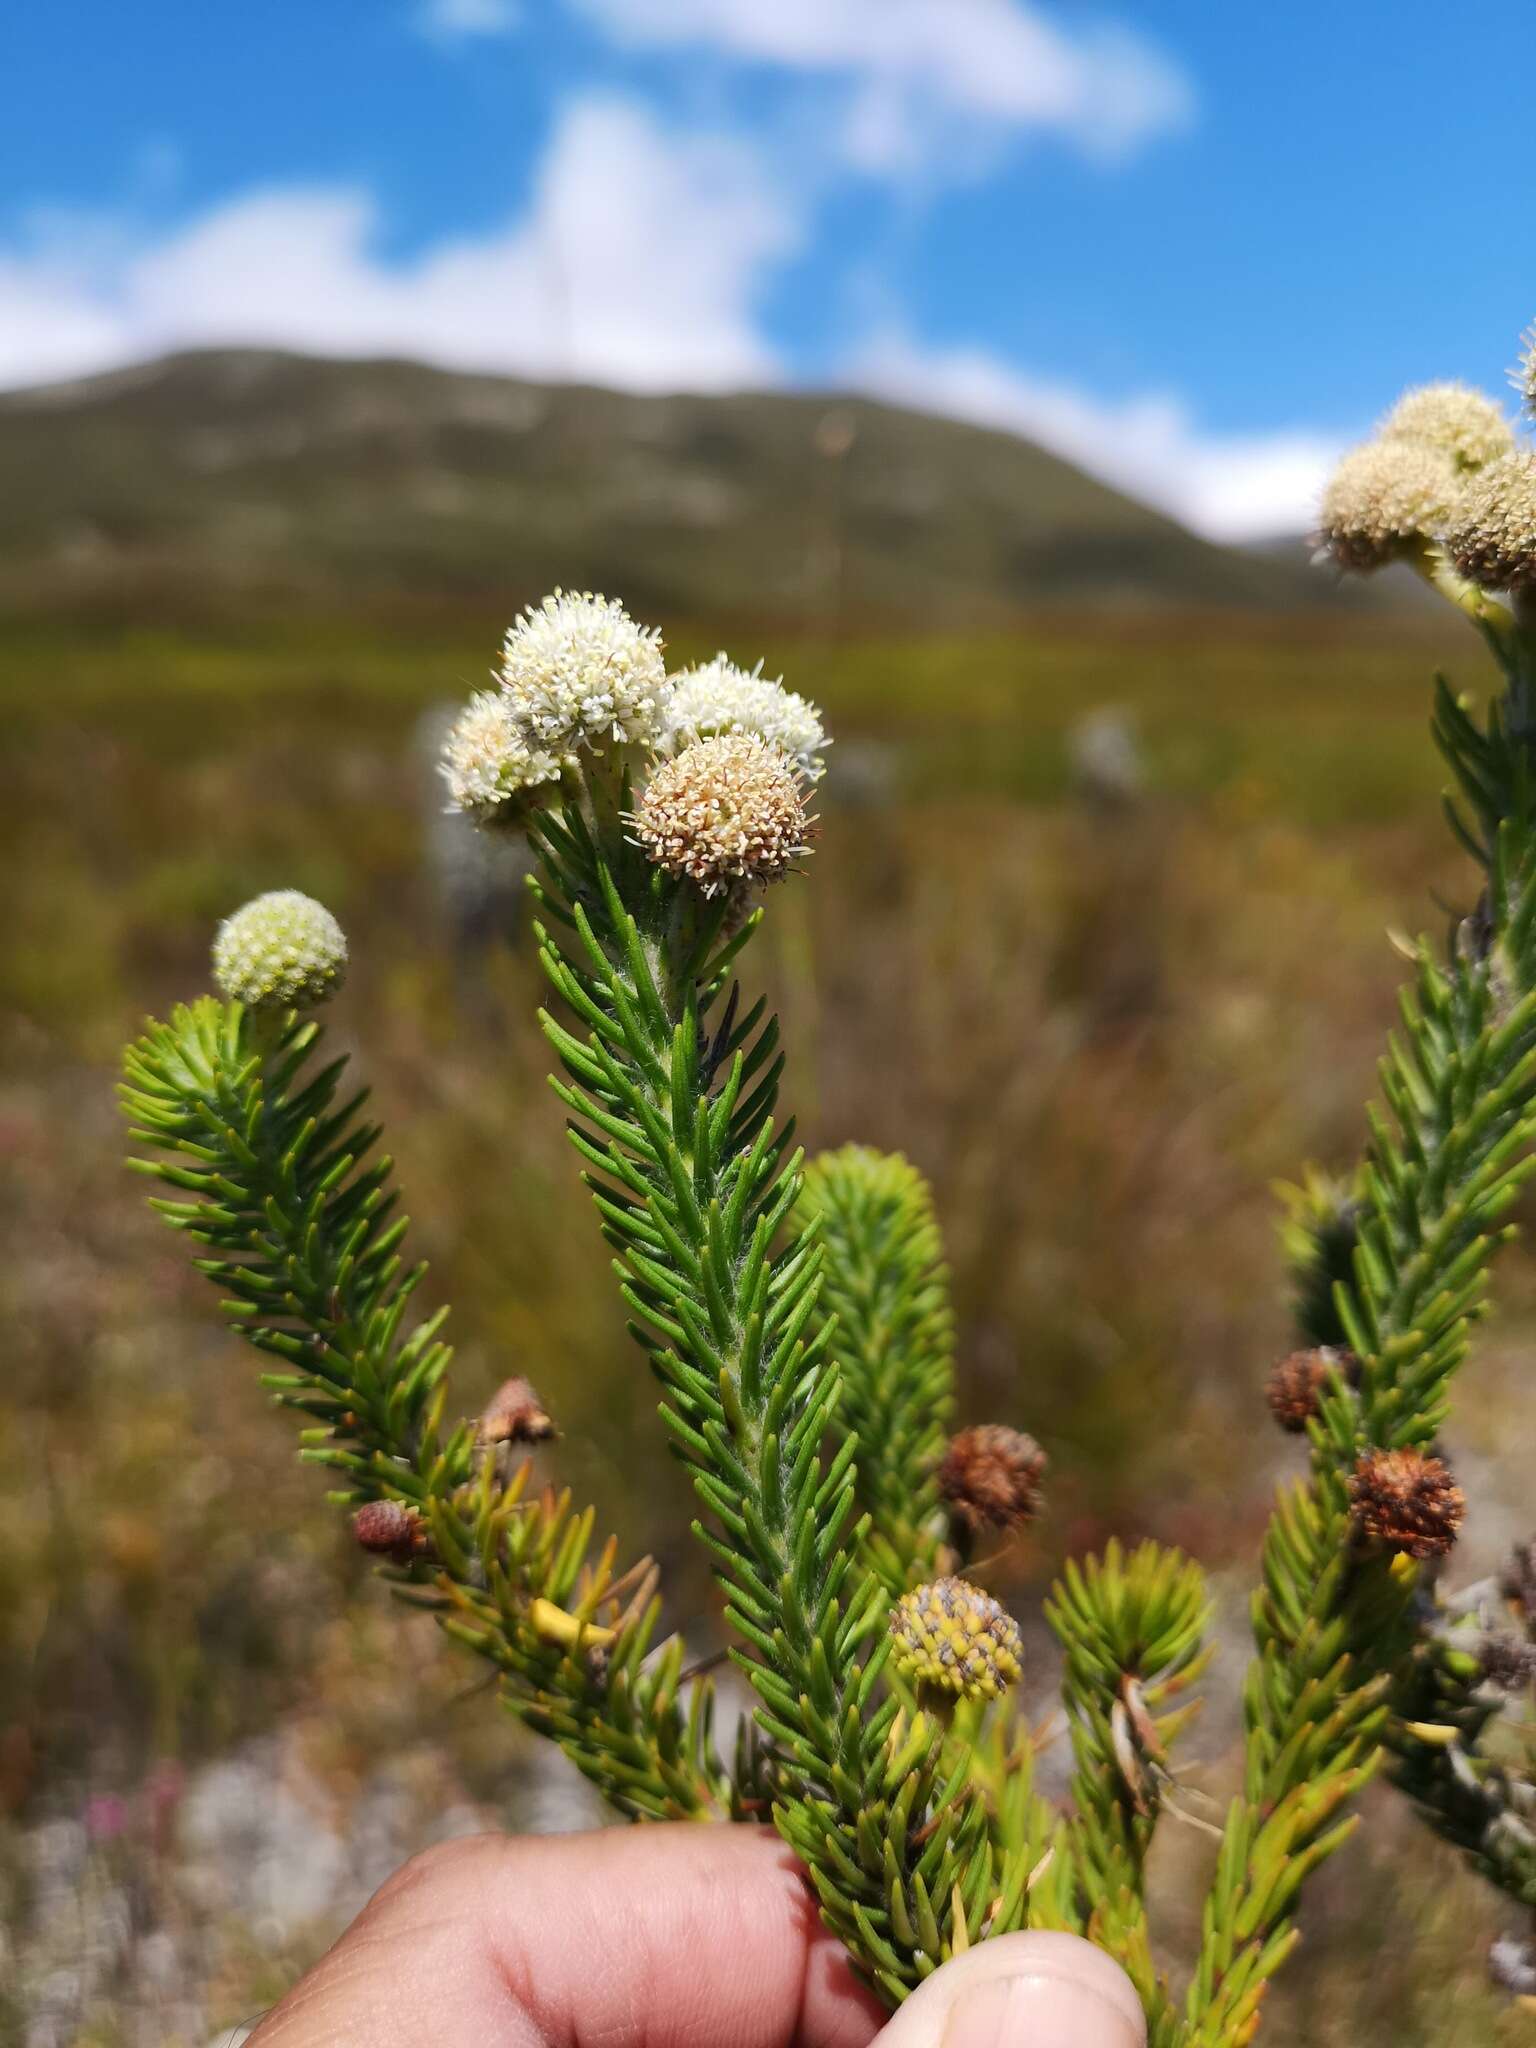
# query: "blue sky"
{"type": "Point", "coordinates": [1196, 247]}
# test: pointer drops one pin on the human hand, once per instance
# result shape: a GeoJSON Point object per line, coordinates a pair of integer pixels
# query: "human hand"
{"type": "Point", "coordinates": [664, 1937]}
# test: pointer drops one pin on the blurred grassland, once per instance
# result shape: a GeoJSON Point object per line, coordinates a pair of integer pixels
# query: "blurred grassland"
{"type": "Point", "coordinates": [1102, 1032]}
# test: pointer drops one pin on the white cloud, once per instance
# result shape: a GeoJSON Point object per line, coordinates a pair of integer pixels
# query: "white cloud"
{"type": "Point", "coordinates": [51, 324]}
{"type": "Point", "coordinates": [457, 21]}
{"type": "Point", "coordinates": [637, 262]}
{"type": "Point", "coordinates": [921, 68]}
{"type": "Point", "coordinates": [1231, 487]}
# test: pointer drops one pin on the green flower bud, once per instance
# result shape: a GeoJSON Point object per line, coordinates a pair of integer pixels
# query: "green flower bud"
{"type": "Point", "coordinates": [951, 1635]}
{"type": "Point", "coordinates": [282, 951]}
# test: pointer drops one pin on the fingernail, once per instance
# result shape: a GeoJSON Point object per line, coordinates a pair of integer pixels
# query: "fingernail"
{"type": "Point", "coordinates": [1037, 2010]}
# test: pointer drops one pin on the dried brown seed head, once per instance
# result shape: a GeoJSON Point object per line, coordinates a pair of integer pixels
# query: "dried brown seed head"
{"type": "Point", "coordinates": [515, 1415]}
{"type": "Point", "coordinates": [991, 1477]}
{"type": "Point", "coordinates": [1407, 1501]}
{"type": "Point", "coordinates": [1296, 1384]}
{"type": "Point", "coordinates": [388, 1528]}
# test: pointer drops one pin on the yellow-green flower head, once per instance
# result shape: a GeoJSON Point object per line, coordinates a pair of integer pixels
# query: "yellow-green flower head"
{"type": "Point", "coordinates": [1460, 422]}
{"type": "Point", "coordinates": [578, 670]}
{"type": "Point", "coordinates": [283, 951]}
{"type": "Point", "coordinates": [725, 810]}
{"type": "Point", "coordinates": [719, 697]}
{"type": "Point", "coordinates": [488, 765]}
{"type": "Point", "coordinates": [951, 1635]}
{"type": "Point", "coordinates": [1492, 539]}
{"type": "Point", "coordinates": [1382, 498]}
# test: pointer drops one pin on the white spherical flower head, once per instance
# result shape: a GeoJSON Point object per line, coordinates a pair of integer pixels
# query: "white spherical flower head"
{"type": "Point", "coordinates": [577, 670]}
{"type": "Point", "coordinates": [490, 769]}
{"type": "Point", "coordinates": [719, 697]}
{"type": "Point", "coordinates": [283, 951]}
{"type": "Point", "coordinates": [1382, 498]}
{"type": "Point", "coordinates": [1492, 538]}
{"type": "Point", "coordinates": [725, 810]}
{"type": "Point", "coordinates": [1459, 421]}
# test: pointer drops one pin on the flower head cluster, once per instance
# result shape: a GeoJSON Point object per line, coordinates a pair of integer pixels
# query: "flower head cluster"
{"type": "Point", "coordinates": [1382, 498]}
{"type": "Point", "coordinates": [719, 697]}
{"type": "Point", "coordinates": [578, 670]}
{"type": "Point", "coordinates": [488, 765]}
{"type": "Point", "coordinates": [724, 810]}
{"type": "Point", "coordinates": [1492, 538]}
{"type": "Point", "coordinates": [950, 1635]}
{"type": "Point", "coordinates": [990, 1476]}
{"type": "Point", "coordinates": [1454, 419]}
{"type": "Point", "coordinates": [1406, 1500]}
{"type": "Point", "coordinates": [282, 951]}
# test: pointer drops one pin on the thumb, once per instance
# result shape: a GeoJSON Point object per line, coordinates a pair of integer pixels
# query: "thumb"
{"type": "Point", "coordinates": [1035, 1990]}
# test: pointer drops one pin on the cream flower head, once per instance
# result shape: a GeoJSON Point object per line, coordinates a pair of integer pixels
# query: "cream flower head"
{"type": "Point", "coordinates": [1459, 421]}
{"type": "Point", "coordinates": [282, 951]}
{"type": "Point", "coordinates": [718, 697]}
{"type": "Point", "coordinates": [724, 810]}
{"type": "Point", "coordinates": [1492, 538]}
{"type": "Point", "coordinates": [487, 763]}
{"type": "Point", "coordinates": [578, 670]}
{"type": "Point", "coordinates": [1383, 497]}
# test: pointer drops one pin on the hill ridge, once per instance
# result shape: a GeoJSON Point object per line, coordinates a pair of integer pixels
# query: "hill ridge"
{"type": "Point", "coordinates": [248, 471]}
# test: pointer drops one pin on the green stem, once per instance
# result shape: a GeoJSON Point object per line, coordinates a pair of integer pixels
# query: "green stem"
{"type": "Point", "coordinates": [694, 1188]}
{"type": "Point", "coordinates": [886, 1286]}
{"type": "Point", "coordinates": [303, 1236]}
{"type": "Point", "coordinates": [1492, 619]}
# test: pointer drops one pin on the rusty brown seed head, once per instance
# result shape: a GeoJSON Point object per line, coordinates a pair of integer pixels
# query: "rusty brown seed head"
{"type": "Point", "coordinates": [991, 1477]}
{"type": "Point", "coordinates": [388, 1528]}
{"type": "Point", "coordinates": [1296, 1384]}
{"type": "Point", "coordinates": [1407, 1501]}
{"type": "Point", "coordinates": [515, 1415]}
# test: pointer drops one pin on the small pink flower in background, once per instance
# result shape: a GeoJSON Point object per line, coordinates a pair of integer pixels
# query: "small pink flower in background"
{"type": "Point", "coordinates": [105, 1817]}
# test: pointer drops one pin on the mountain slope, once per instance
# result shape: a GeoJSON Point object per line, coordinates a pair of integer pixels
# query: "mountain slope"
{"type": "Point", "coordinates": [256, 472]}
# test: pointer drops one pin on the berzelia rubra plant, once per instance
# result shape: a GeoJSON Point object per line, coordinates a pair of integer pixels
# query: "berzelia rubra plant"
{"type": "Point", "coordinates": [796, 1317]}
